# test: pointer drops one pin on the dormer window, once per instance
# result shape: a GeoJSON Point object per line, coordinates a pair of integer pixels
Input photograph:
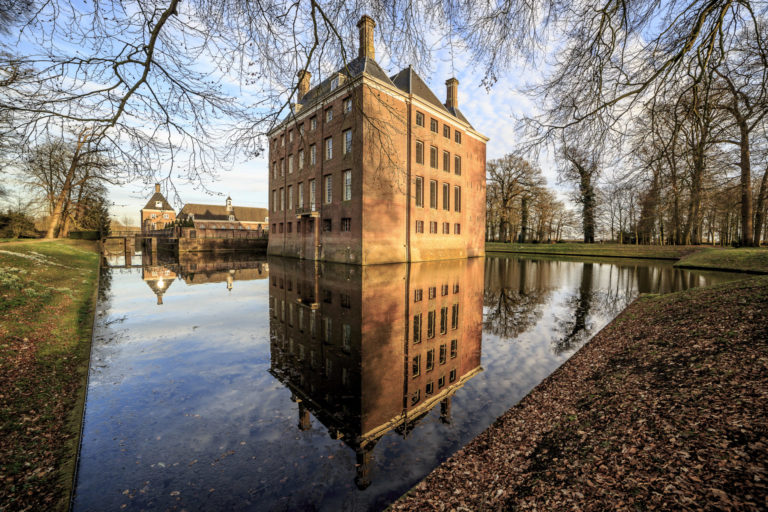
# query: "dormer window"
{"type": "Point", "coordinates": [334, 83]}
{"type": "Point", "coordinates": [231, 218]}
{"type": "Point", "coordinates": [158, 204]}
{"type": "Point", "coordinates": [191, 216]}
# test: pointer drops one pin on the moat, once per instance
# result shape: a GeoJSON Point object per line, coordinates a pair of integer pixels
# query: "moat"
{"type": "Point", "coordinates": [240, 383]}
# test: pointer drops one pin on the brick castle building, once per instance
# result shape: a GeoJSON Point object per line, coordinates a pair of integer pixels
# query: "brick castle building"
{"type": "Point", "coordinates": [158, 213]}
{"type": "Point", "coordinates": [225, 216]}
{"type": "Point", "coordinates": [370, 168]}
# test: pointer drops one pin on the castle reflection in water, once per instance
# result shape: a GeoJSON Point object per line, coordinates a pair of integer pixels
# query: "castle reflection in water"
{"type": "Point", "coordinates": [364, 350]}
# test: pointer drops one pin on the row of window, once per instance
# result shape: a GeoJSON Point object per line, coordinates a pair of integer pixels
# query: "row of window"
{"type": "Point", "coordinates": [154, 216]}
{"type": "Point", "coordinates": [433, 194]}
{"type": "Point", "coordinates": [434, 126]}
{"type": "Point", "coordinates": [419, 227]}
{"type": "Point", "coordinates": [418, 293]}
{"type": "Point", "coordinates": [279, 201]}
{"type": "Point", "coordinates": [430, 387]}
{"type": "Point", "coordinates": [433, 158]}
{"type": "Point", "coordinates": [326, 323]}
{"type": "Point", "coordinates": [344, 298]}
{"type": "Point", "coordinates": [431, 320]}
{"type": "Point", "coordinates": [309, 226]}
{"type": "Point", "coordinates": [346, 149]}
{"type": "Point", "coordinates": [346, 108]}
{"type": "Point", "coordinates": [430, 361]}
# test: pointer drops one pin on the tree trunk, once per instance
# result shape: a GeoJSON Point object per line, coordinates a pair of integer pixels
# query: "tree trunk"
{"type": "Point", "coordinates": [747, 238]}
{"type": "Point", "coordinates": [760, 208]}
{"type": "Point", "coordinates": [523, 219]}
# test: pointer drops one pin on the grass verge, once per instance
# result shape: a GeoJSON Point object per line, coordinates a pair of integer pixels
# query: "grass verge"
{"type": "Point", "coordinates": [47, 297]}
{"type": "Point", "coordinates": [663, 410]}
{"type": "Point", "coordinates": [751, 260]}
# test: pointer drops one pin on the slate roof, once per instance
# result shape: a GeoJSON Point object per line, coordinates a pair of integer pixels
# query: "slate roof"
{"type": "Point", "coordinates": [157, 196]}
{"type": "Point", "coordinates": [219, 212]}
{"type": "Point", "coordinates": [407, 80]}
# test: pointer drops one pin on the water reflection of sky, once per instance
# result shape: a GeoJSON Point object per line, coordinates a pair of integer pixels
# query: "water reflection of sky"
{"type": "Point", "coordinates": [182, 411]}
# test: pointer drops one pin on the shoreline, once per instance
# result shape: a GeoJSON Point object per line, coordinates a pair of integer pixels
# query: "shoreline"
{"type": "Point", "coordinates": [642, 415]}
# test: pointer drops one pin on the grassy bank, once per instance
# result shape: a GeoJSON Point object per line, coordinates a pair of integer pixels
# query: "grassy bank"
{"type": "Point", "coordinates": [47, 295]}
{"type": "Point", "coordinates": [663, 410]}
{"type": "Point", "coordinates": [688, 256]}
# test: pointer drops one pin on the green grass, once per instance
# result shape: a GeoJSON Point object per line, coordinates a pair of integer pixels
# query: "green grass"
{"type": "Point", "coordinates": [752, 260]}
{"type": "Point", "coordinates": [671, 252]}
{"type": "Point", "coordinates": [47, 295]}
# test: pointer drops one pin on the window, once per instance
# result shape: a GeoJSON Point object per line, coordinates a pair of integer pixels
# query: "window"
{"type": "Point", "coordinates": [231, 217]}
{"type": "Point", "coordinates": [312, 154]}
{"type": "Point", "coordinates": [158, 204]}
{"type": "Point", "coordinates": [446, 131]}
{"type": "Point", "coordinates": [347, 105]}
{"type": "Point", "coordinates": [290, 197]}
{"type": "Point", "coordinates": [415, 397]}
{"type": "Point", "coordinates": [346, 337]}
{"type": "Point", "coordinates": [274, 169]}
{"type": "Point", "coordinates": [419, 119]}
{"type": "Point", "coordinates": [327, 224]}
{"type": "Point", "coordinates": [457, 136]}
{"type": "Point", "coordinates": [432, 292]}
{"type": "Point", "coordinates": [455, 316]}
{"type": "Point", "coordinates": [166, 216]}
{"type": "Point", "coordinates": [301, 130]}
{"type": "Point", "coordinates": [441, 382]}
{"type": "Point", "coordinates": [346, 224]}
{"type": "Point", "coordinates": [313, 123]}
{"type": "Point", "coordinates": [444, 290]}
{"type": "Point", "coordinates": [457, 199]}
{"type": "Point", "coordinates": [457, 229]}
{"type": "Point", "coordinates": [457, 165]}
{"type": "Point", "coordinates": [443, 353]}
{"type": "Point", "coordinates": [419, 192]}
{"type": "Point", "coordinates": [282, 167]}
{"type": "Point", "coordinates": [446, 161]}
{"type": "Point", "coordinates": [432, 194]}
{"type": "Point", "coordinates": [282, 199]}
{"type": "Point", "coordinates": [290, 136]}
{"type": "Point", "coordinates": [301, 159]}
{"type": "Point", "coordinates": [446, 228]}
{"type": "Point", "coordinates": [329, 115]}
{"type": "Point", "coordinates": [419, 152]}
{"type": "Point", "coordinates": [290, 230]}
{"type": "Point", "coordinates": [346, 301]}
{"type": "Point", "coordinates": [430, 360]}
{"type": "Point", "coordinates": [347, 177]}
{"type": "Point", "coordinates": [334, 83]}
{"type": "Point", "coordinates": [433, 157]}
{"type": "Point", "coordinates": [443, 320]}
{"type": "Point", "coordinates": [328, 296]}
{"type": "Point", "coordinates": [417, 328]}
{"type": "Point", "coordinates": [328, 188]}
{"type": "Point", "coordinates": [152, 215]}
{"type": "Point", "coordinates": [347, 146]}
{"type": "Point", "coordinates": [416, 366]}
{"type": "Point", "coordinates": [446, 196]}
{"type": "Point", "coordinates": [298, 226]}
{"type": "Point", "coordinates": [301, 197]}
{"type": "Point", "coordinates": [282, 140]}
{"type": "Point", "coordinates": [417, 295]}
{"type": "Point", "coordinates": [312, 201]}
{"type": "Point", "coordinates": [452, 376]}
{"type": "Point", "coordinates": [281, 227]}
{"type": "Point", "coordinates": [456, 288]}
{"type": "Point", "coordinates": [433, 125]}
{"type": "Point", "coordinates": [430, 388]}
{"type": "Point", "coordinates": [431, 324]}
{"type": "Point", "coordinates": [329, 148]}
{"type": "Point", "coordinates": [419, 226]}
{"type": "Point", "coordinates": [433, 227]}
{"type": "Point", "coordinates": [454, 348]}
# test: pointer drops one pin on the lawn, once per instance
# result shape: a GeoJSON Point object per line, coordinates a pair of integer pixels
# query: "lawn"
{"type": "Point", "coordinates": [743, 260]}
{"type": "Point", "coordinates": [47, 294]}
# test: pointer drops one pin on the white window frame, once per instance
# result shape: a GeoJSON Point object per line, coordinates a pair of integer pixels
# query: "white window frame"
{"type": "Point", "coordinates": [329, 148]}
{"type": "Point", "coordinates": [328, 188]}
{"type": "Point", "coordinates": [347, 180]}
{"type": "Point", "coordinates": [347, 142]}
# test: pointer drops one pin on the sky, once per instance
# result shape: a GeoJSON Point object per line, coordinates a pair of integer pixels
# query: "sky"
{"type": "Point", "coordinates": [492, 112]}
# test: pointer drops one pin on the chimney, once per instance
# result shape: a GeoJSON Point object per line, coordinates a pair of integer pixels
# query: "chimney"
{"type": "Point", "coordinates": [304, 77]}
{"type": "Point", "coordinates": [452, 93]}
{"type": "Point", "coordinates": [157, 188]}
{"type": "Point", "coordinates": [366, 26]}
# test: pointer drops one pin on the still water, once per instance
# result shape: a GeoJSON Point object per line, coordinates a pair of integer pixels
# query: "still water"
{"type": "Point", "coordinates": [237, 383]}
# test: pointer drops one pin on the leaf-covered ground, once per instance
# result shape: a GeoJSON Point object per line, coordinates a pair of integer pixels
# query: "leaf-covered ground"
{"type": "Point", "coordinates": [665, 409]}
{"type": "Point", "coordinates": [46, 299]}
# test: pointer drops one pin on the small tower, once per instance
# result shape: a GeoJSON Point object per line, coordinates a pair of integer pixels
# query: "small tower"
{"type": "Point", "coordinates": [230, 208]}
